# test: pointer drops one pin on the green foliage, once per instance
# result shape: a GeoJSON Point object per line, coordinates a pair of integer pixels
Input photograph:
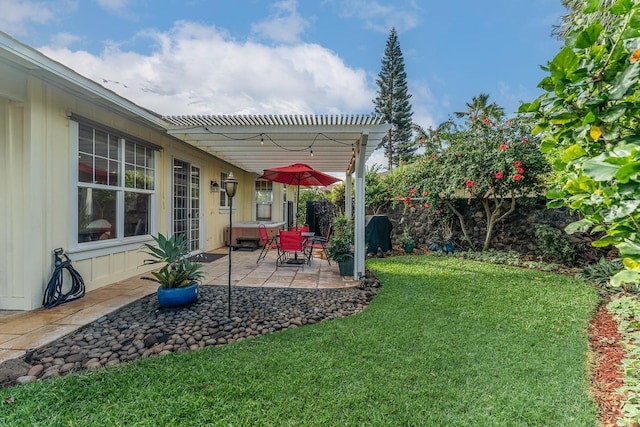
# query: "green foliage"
{"type": "Point", "coordinates": [555, 244]}
{"type": "Point", "coordinates": [173, 252]}
{"type": "Point", "coordinates": [510, 258]}
{"type": "Point", "coordinates": [378, 191]}
{"type": "Point", "coordinates": [600, 274]}
{"type": "Point", "coordinates": [406, 237]}
{"type": "Point", "coordinates": [339, 247]}
{"type": "Point", "coordinates": [393, 104]}
{"type": "Point", "coordinates": [489, 159]}
{"type": "Point", "coordinates": [626, 311]}
{"type": "Point", "coordinates": [588, 120]}
{"type": "Point", "coordinates": [442, 344]}
{"type": "Point", "coordinates": [309, 194]}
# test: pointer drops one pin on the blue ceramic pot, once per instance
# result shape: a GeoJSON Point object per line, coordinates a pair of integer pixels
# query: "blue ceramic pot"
{"type": "Point", "coordinates": [178, 297]}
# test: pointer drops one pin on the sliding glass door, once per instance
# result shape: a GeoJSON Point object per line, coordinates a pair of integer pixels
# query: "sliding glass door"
{"type": "Point", "coordinates": [186, 202]}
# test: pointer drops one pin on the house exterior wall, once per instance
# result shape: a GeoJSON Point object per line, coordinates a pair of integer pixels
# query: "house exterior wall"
{"type": "Point", "coordinates": [38, 188]}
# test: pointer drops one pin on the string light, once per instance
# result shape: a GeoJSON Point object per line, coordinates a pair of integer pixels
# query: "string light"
{"type": "Point", "coordinates": [311, 153]}
{"type": "Point", "coordinates": [261, 140]}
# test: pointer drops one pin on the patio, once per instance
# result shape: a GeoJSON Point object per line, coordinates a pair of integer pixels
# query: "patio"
{"type": "Point", "coordinates": [31, 329]}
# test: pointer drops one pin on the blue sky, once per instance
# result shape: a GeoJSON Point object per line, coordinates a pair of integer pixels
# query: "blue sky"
{"type": "Point", "coordinates": [294, 56]}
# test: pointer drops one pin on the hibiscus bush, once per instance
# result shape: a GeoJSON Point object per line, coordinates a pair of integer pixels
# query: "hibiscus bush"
{"type": "Point", "coordinates": [588, 118]}
{"type": "Point", "coordinates": [492, 160]}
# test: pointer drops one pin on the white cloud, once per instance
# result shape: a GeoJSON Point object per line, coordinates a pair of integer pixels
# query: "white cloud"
{"type": "Point", "coordinates": [17, 15]}
{"type": "Point", "coordinates": [196, 69]}
{"type": "Point", "coordinates": [284, 26]}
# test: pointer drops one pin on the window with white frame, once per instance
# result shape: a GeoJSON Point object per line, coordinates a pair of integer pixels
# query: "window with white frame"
{"type": "Point", "coordinates": [116, 183]}
{"type": "Point", "coordinates": [224, 199]}
{"type": "Point", "coordinates": [264, 200]}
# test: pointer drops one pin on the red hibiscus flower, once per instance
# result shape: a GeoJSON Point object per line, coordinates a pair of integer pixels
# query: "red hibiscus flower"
{"type": "Point", "coordinates": [469, 183]}
{"type": "Point", "coordinates": [508, 122]}
{"type": "Point", "coordinates": [503, 147]}
{"type": "Point", "coordinates": [425, 193]}
{"type": "Point", "coordinates": [433, 157]}
{"type": "Point", "coordinates": [499, 175]}
{"type": "Point", "coordinates": [486, 121]}
{"type": "Point", "coordinates": [520, 170]}
{"type": "Point", "coordinates": [525, 140]}
{"type": "Point", "coordinates": [517, 177]}
{"type": "Point", "coordinates": [427, 205]}
{"type": "Point", "coordinates": [412, 190]}
{"type": "Point", "coordinates": [517, 163]}
{"type": "Point", "coordinates": [438, 211]}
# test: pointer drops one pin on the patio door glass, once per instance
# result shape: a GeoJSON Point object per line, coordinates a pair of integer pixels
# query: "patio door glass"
{"type": "Point", "coordinates": [186, 202]}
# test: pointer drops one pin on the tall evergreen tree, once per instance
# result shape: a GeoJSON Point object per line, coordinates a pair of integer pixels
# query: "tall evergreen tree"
{"type": "Point", "coordinates": [393, 104]}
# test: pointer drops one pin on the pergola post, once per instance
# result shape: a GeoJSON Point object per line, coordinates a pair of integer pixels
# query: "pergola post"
{"type": "Point", "coordinates": [359, 240]}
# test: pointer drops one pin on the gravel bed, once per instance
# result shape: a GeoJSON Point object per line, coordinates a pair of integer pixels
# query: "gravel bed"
{"type": "Point", "coordinates": [142, 329]}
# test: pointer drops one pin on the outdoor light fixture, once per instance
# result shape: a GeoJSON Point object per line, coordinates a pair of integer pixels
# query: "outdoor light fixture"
{"type": "Point", "coordinates": [230, 187]}
{"type": "Point", "coordinates": [214, 185]}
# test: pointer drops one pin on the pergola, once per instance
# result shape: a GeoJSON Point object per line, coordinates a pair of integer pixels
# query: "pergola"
{"type": "Point", "coordinates": [329, 143]}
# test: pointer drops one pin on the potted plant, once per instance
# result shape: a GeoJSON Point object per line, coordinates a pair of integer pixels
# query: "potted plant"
{"type": "Point", "coordinates": [441, 240]}
{"type": "Point", "coordinates": [406, 240]}
{"type": "Point", "coordinates": [339, 248]}
{"type": "Point", "coordinates": [178, 277]}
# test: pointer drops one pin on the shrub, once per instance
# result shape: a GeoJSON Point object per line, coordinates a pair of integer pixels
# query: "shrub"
{"type": "Point", "coordinates": [555, 244]}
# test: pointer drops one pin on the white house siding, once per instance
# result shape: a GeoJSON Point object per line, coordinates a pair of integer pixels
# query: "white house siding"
{"type": "Point", "coordinates": [37, 188]}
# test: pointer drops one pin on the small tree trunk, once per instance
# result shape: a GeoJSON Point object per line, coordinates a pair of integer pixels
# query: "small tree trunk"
{"type": "Point", "coordinates": [463, 226]}
{"type": "Point", "coordinates": [494, 217]}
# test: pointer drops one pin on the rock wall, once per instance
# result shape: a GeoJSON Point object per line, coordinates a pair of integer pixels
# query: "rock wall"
{"type": "Point", "coordinates": [516, 232]}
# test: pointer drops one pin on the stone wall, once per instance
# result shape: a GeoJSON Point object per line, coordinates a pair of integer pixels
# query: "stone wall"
{"type": "Point", "coordinates": [516, 232]}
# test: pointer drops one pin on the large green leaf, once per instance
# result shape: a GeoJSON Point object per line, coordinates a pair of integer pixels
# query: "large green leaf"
{"type": "Point", "coordinates": [613, 113]}
{"type": "Point", "coordinates": [589, 36]}
{"type": "Point", "coordinates": [547, 145]}
{"type": "Point", "coordinates": [572, 153]}
{"type": "Point", "coordinates": [564, 64]}
{"type": "Point", "coordinates": [628, 171]}
{"type": "Point", "coordinates": [622, 210]}
{"type": "Point", "coordinates": [578, 226]}
{"type": "Point", "coordinates": [629, 248]}
{"type": "Point", "coordinates": [621, 7]}
{"type": "Point", "coordinates": [600, 170]}
{"type": "Point", "coordinates": [625, 276]}
{"type": "Point", "coordinates": [624, 81]}
{"type": "Point", "coordinates": [563, 118]}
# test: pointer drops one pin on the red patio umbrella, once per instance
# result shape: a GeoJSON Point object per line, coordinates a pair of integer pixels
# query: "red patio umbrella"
{"type": "Point", "coordinates": [299, 174]}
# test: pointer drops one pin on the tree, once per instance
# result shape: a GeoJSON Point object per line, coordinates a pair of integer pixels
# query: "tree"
{"type": "Point", "coordinates": [493, 161]}
{"type": "Point", "coordinates": [479, 106]}
{"type": "Point", "coordinates": [588, 115]}
{"type": "Point", "coordinates": [575, 17]}
{"type": "Point", "coordinates": [393, 104]}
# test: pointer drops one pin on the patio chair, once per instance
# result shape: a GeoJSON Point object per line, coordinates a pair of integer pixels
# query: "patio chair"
{"type": "Point", "coordinates": [320, 242]}
{"type": "Point", "coordinates": [268, 242]}
{"type": "Point", "coordinates": [290, 241]}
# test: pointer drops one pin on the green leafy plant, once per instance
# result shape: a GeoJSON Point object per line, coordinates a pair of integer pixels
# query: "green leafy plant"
{"type": "Point", "coordinates": [588, 121]}
{"type": "Point", "coordinates": [173, 252]}
{"type": "Point", "coordinates": [488, 159]}
{"type": "Point", "coordinates": [555, 244]}
{"type": "Point", "coordinates": [601, 272]}
{"type": "Point", "coordinates": [406, 238]}
{"type": "Point", "coordinates": [339, 248]}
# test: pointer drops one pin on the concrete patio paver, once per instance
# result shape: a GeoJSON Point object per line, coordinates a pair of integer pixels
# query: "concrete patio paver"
{"type": "Point", "coordinates": [20, 330]}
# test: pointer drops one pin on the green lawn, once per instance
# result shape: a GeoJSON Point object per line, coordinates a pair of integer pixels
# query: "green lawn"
{"type": "Point", "coordinates": [447, 342]}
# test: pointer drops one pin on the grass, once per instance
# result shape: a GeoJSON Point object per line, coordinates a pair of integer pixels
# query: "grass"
{"type": "Point", "coordinates": [447, 342]}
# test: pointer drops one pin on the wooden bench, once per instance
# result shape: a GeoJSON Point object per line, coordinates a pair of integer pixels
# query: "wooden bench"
{"type": "Point", "coordinates": [246, 243]}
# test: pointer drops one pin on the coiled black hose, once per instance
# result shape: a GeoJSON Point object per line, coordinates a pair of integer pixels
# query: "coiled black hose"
{"type": "Point", "coordinates": [53, 294]}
